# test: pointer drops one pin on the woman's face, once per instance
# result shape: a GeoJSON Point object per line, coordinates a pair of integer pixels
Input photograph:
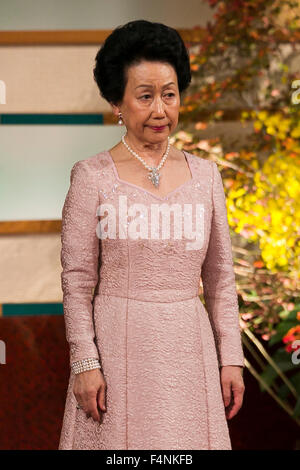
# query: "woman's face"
{"type": "Point", "coordinates": [151, 100]}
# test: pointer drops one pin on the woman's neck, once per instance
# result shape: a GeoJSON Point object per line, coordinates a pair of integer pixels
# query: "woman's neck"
{"type": "Point", "coordinates": [150, 151]}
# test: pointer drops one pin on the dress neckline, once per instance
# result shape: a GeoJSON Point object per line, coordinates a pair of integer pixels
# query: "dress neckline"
{"type": "Point", "coordinates": [187, 157]}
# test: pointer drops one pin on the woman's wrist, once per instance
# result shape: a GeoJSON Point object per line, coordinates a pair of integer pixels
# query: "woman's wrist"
{"type": "Point", "coordinates": [85, 364]}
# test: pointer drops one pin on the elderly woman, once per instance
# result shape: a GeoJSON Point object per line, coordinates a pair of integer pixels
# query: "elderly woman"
{"type": "Point", "coordinates": [142, 224]}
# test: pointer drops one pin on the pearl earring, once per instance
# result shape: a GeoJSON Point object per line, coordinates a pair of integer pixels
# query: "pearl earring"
{"type": "Point", "coordinates": [120, 122]}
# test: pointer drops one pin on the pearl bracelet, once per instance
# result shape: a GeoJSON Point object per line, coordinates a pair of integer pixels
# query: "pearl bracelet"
{"type": "Point", "coordinates": [85, 364]}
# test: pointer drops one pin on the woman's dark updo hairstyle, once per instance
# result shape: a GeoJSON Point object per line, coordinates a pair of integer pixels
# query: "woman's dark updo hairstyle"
{"type": "Point", "coordinates": [131, 43]}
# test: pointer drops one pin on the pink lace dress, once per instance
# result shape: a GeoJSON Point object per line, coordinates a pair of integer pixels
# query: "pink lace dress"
{"type": "Point", "coordinates": [131, 299]}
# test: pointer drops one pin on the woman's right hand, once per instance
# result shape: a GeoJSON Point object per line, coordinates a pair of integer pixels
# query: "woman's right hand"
{"type": "Point", "coordinates": [90, 392]}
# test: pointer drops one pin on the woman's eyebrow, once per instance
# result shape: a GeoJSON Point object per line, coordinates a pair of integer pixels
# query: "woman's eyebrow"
{"type": "Point", "coordinates": [151, 86]}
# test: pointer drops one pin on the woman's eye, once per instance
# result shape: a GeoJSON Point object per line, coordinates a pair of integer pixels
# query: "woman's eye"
{"type": "Point", "coordinates": [167, 94]}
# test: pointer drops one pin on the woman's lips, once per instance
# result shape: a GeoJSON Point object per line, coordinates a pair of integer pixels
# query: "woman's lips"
{"type": "Point", "coordinates": [157, 128]}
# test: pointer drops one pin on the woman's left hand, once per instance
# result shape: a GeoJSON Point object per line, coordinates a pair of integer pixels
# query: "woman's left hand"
{"type": "Point", "coordinates": [232, 389]}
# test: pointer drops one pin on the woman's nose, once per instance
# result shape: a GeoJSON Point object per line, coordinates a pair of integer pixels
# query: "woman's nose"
{"type": "Point", "coordinates": [158, 106]}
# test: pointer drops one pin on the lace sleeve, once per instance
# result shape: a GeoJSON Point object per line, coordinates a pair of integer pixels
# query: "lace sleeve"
{"type": "Point", "coordinates": [218, 279]}
{"type": "Point", "coordinates": [79, 260]}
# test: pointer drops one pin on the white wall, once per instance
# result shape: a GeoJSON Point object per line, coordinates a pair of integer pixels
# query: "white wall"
{"type": "Point", "coordinates": [99, 14]}
{"type": "Point", "coordinates": [35, 164]}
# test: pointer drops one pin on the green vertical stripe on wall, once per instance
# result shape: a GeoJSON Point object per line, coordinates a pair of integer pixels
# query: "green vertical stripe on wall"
{"type": "Point", "coordinates": [9, 310]}
{"type": "Point", "coordinates": [82, 119]}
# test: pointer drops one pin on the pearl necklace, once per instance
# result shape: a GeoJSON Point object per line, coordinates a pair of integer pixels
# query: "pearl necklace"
{"type": "Point", "coordinates": [154, 171]}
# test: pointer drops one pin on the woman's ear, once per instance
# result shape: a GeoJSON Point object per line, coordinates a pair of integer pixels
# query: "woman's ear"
{"type": "Point", "coordinates": [115, 109]}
